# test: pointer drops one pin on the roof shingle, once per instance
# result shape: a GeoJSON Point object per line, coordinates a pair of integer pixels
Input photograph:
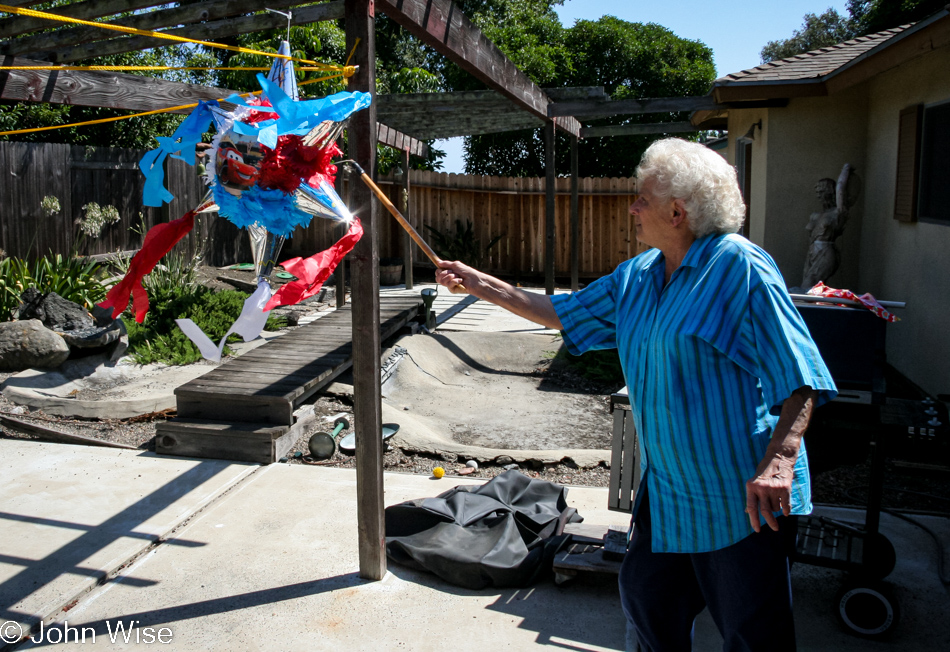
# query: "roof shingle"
{"type": "Point", "coordinates": [811, 65]}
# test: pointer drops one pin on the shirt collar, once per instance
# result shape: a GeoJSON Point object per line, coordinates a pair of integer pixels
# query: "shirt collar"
{"type": "Point", "coordinates": [697, 256]}
{"type": "Point", "coordinates": [700, 251]}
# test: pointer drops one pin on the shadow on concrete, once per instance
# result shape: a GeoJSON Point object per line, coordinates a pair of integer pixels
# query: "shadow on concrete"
{"type": "Point", "coordinates": [581, 616]}
{"type": "Point", "coordinates": [68, 558]}
{"type": "Point", "coordinates": [158, 617]}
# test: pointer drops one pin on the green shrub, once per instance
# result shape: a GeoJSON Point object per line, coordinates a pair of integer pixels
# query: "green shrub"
{"type": "Point", "coordinates": [158, 338]}
{"type": "Point", "coordinates": [73, 279]}
{"type": "Point", "coordinates": [601, 366]}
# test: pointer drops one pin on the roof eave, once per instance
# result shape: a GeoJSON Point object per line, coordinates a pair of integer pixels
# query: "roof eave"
{"type": "Point", "coordinates": [769, 90]}
{"type": "Point", "coordinates": [738, 90]}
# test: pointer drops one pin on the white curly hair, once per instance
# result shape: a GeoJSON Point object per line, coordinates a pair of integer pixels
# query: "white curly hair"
{"type": "Point", "coordinates": [699, 177]}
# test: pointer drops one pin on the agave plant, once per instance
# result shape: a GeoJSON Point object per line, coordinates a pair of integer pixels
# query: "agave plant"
{"type": "Point", "coordinates": [74, 279]}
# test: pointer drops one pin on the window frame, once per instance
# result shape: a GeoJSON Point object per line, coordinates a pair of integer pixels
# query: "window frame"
{"type": "Point", "coordinates": [918, 191]}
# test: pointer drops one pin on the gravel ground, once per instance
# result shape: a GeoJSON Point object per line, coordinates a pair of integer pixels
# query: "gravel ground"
{"type": "Point", "coordinates": [140, 433]}
{"type": "Point", "coordinates": [920, 487]}
{"type": "Point", "coordinates": [908, 488]}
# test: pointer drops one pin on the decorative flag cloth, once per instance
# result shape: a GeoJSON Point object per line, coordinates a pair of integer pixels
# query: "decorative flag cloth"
{"type": "Point", "coordinates": [866, 300]}
{"type": "Point", "coordinates": [312, 272]}
{"type": "Point", "coordinates": [158, 241]}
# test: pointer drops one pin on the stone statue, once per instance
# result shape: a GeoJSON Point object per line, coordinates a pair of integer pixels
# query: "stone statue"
{"type": "Point", "coordinates": [824, 227]}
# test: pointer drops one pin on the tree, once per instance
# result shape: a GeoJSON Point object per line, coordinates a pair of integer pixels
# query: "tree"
{"type": "Point", "coordinates": [864, 17]}
{"type": "Point", "coordinates": [872, 16]}
{"type": "Point", "coordinates": [629, 60]}
{"type": "Point", "coordinates": [817, 32]}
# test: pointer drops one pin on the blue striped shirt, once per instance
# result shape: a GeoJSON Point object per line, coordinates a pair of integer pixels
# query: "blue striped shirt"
{"type": "Point", "coordinates": [708, 361]}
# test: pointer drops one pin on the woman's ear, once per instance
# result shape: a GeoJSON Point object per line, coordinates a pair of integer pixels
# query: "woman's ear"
{"type": "Point", "coordinates": [679, 213]}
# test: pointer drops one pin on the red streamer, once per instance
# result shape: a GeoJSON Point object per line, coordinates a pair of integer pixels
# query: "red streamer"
{"type": "Point", "coordinates": [312, 272]}
{"type": "Point", "coordinates": [158, 241]}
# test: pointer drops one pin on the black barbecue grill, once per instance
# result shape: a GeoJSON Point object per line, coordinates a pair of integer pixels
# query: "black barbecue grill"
{"type": "Point", "coordinates": [851, 342]}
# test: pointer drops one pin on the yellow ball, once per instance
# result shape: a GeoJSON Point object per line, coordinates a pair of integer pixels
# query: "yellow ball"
{"type": "Point", "coordinates": [438, 472]}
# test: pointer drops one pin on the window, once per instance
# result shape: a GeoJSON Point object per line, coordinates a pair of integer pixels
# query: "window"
{"type": "Point", "coordinates": [744, 172]}
{"type": "Point", "coordinates": [923, 164]}
{"type": "Point", "coordinates": [933, 201]}
{"type": "Point", "coordinates": [908, 146]}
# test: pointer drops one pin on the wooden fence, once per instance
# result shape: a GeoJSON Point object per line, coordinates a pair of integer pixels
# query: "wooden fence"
{"type": "Point", "coordinates": [512, 208]}
{"type": "Point", "coordinates": [76, 176]}
{"type": "Point", "coordinates": [496, 206]}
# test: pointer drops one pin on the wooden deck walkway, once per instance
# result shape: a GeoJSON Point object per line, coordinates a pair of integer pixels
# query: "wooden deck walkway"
{"type": "Point", "coordinates": [244, 409]}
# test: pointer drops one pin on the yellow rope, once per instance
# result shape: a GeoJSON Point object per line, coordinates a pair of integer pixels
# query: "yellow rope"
{"type": "Point", "coordinates": [142, 68]}
{"type": "Point", "coordinates": [138, 115]}
{"type": "Point", "coordinates": [346, 80]}
{"type": "Point", "coordinates": [346, 70]}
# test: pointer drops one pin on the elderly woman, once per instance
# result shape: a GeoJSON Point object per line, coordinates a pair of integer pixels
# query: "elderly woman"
{"type": "Point", "coordinates": [723, 377]}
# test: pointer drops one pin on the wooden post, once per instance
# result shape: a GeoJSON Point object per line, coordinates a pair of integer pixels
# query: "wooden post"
{"type": "Point", "coordinates": [406, 240]}
{"type": "Point", "coordinates": [549, 204]}
{"type": "Point", "coordinates": [367, 405]}
{"type": "Point", "coordinates": [575, 218]}
{"type": "Point", "coordinates": [343, 186]}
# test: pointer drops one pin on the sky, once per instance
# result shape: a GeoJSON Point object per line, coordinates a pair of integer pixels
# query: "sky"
{"type": "Point", "coordinates": [735, 30]}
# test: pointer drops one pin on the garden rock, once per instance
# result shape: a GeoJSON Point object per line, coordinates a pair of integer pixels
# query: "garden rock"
{"type": "Point", "coordinates": [112, 336]}
{"type": "Point", "coordinates": [54, 311]}
{"type": "Point", "coordinates": [27, 344]}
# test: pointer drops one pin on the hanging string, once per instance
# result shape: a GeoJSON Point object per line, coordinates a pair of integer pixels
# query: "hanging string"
{"type": "Point", "coordinates": [347, 71]}
{"type": "Point", "coordinates": [144, 113]}
{"type": "Point", "coordinates": [158, 68]}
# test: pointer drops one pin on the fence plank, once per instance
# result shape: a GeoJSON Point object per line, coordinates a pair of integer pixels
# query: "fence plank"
{"type": "Point", "coordinates": [513, 207]}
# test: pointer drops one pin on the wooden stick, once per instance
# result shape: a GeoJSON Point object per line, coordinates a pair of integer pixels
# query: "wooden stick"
{"type": "Point", "coordinates": [426, 249]}
{"type": "Point", "coordinates": [403, 222]}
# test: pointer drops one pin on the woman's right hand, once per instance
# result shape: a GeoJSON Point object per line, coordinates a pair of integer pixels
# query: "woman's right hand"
{"type": "Point", "coordinates": [453, 275]}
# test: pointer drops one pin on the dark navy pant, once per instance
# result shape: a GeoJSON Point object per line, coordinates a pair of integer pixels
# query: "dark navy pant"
{"type": "Point", "coordinates": [746, 587]}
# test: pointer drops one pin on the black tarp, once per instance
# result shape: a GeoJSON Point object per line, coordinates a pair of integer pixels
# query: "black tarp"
{"type": "Point", "coordinates": [502, 533]}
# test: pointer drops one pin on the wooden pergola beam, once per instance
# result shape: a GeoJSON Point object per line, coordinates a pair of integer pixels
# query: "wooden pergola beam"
{"type": "Point", "coordinates": [149, 20]}
{"type": "Point", "coordinates": [398, 140]}
{"type": "Point", "coordinates": [444, 102]}
{"type": "Point", "coordinates": [426, 126]}
{"type": "Point", "coordinates": [132, 93]}
{"type": "Point", "coordinates": [209, 31]}
{"type": "Point", "coordinates": [103, 89]}
{"type": "Point", "coordinates": [638, 129]}
{"type": "Point", "coordinates": [442, 26]}
{"type": "Point", "coordinates": [17, 25]}
{"type": "Point", "coordinates": [603, 108]}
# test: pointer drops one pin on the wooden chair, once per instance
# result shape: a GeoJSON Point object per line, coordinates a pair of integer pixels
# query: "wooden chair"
{"type": "Point", "coordinates": [624, 457]}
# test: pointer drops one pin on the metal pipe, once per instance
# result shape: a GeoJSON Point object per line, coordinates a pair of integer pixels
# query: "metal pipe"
{"type": "Point", "coordinates": [847, 302]}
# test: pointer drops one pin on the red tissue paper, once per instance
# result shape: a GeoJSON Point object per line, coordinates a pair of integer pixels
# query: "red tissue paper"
{"type": "Point", "coordinates": [867, 300]}
{"type": "Point", "coordinates": [158, 241]}
{"type": "Point", "coordinates": [312, 272]}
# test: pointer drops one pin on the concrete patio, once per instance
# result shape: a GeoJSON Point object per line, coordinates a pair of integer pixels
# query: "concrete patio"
{"type": "Point", "coordinates": [228, 556]}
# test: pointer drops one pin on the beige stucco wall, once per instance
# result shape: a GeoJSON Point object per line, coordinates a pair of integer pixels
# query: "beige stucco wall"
{"type": "Point", "coordinates": [907, 262]}
{"type": "Point", "coordinates": [806, 141]}
{"type": "Point", "coordinates": [812, 138]}
{"type": "Point", "coordinates": [739, 124]}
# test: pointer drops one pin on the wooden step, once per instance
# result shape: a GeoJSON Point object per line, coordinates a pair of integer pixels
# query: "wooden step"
{"type": "Point", "coordinates": [226, 440]}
